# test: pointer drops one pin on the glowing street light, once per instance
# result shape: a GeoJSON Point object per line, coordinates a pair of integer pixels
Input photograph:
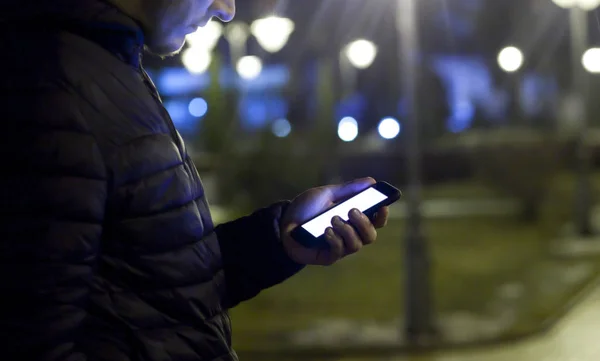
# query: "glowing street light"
{"type": "Point", "coordinates": [196, 60]}
{"type": "Point", "coordinates": [249, 67]}
{"type": "Point", "coordinates": [586, 5]}
{"type": "Point", "coordinates": [389, 128]}
{"type": "Point", "coordinates": [361, 53]}
{"type": "Point", "coordinates": [591, 60]}
{"type": "Point", "coordinates": [347, 129]}
{"type": "Point", "coordinates": [206, 37]}
{"type": "Point", "coordinates": [565, 4]}
{"type": "Point", "coordinates": [510, 59]}
{"type": "Point", "coordinates": [273, 32]}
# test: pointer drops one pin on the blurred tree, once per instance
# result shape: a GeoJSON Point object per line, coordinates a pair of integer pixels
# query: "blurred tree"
{"type": "Point", "coordinates": [480, 121]}
{"type": "Point", "coordinates": [500, 24]}
{"type": "Point", "coordinates": [272, 171]}
{"type": "Point", "coordinates": [323, 141]}
{"type": "Point", "coordinates": [495, 29]}
{"type": "Point", "coordinates": [433, 109]}
{"type": "Point", "coordinates": [217, 130]}
{"type": "Point", "coordinates": [280, 168]}
{"type": "Point", "coordinates": [519, 164]}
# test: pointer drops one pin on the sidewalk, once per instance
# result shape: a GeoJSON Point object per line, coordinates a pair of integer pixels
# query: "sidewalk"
{"type": "Point", "coordinates": [575, 337]}
{"type": "Point", "coordinates": [569, 245]}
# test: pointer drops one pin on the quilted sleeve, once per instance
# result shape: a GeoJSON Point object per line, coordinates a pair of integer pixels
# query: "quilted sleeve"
{"type": "Point", "coordinates": [253, 256]}
{"type": "Point", "coordinates": [53, 194]}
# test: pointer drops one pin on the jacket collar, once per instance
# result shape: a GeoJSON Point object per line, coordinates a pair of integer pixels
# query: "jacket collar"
{"type": "Point", "coordinates": [95, 20]}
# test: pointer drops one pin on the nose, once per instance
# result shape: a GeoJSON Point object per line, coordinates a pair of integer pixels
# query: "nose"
{"type": "Point", "coordinates": [224, 9]}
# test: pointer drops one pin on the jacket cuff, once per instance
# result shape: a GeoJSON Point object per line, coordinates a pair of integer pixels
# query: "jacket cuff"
{"type": "Point", "coordinates": [253, 255]}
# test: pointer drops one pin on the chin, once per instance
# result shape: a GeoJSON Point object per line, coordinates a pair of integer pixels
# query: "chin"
{"type": "Point", "coordinates": [165, 47]}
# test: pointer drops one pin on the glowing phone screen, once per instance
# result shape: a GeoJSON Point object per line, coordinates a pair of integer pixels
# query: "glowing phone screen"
{"type": "Point", "coordinates": [362, 201]}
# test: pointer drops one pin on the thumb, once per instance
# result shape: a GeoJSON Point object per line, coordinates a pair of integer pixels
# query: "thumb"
{"type": "Point", "coordinates": [345, 190]}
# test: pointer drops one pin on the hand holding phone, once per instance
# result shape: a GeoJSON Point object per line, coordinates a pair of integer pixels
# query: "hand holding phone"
{"type": "Point", "coordinates": [311, 213]}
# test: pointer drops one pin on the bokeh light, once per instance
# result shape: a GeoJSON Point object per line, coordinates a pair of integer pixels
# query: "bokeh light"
{"type": "Point", "coordinates": [389, 128]}
{"type": "Point", "coordinates": [510, 59]}
{"type": "Point", "coordinates": [591, 60]}
{"type": "Point", "coordinates": [249, 67]}
{"type": "Point", "coordinates": [273, 32]}
{"type": "Point", "coordinates": [348, 129]}
{"type": "Point", "coordinates": [196, 60]}
{"type": "Point", "coordinates": [198, 107]}
{"type": "Point", "coordinates": [361, 53]}
{"type": "Point", "coordinates": [206, 37]}
{"type": "Point", "coordinates": [281, 128]}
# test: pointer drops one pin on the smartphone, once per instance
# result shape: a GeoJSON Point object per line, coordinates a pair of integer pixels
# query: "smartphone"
{"type": "Point", "coordinates": [311, 234]}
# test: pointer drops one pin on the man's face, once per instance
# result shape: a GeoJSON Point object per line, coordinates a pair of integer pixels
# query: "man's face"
{"type": "Point", "coordinates": [167, 22]}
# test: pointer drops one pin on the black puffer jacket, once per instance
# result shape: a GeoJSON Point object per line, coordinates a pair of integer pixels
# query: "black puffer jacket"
{"type": "Point", "coordinates": [107, 248]}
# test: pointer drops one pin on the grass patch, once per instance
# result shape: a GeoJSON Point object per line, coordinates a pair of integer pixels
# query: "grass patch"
{"type": "Point", "coordinates": [563, 182]}
{"type": "Point", "coordinates": [462, 190]}
{"type": "Point", "coordinates": [471, 258]}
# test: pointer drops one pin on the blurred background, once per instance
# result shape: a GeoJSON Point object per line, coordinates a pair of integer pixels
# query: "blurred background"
{"type": "Point", "coordinates": [482, 111]}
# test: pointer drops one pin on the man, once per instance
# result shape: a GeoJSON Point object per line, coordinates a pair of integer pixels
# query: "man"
{"type": "Point", "coordinates": [108, 250]}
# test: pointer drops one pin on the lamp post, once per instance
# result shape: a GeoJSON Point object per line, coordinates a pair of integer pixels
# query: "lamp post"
{"type": "Point", "coordinates": [510, 60]}
{"type": "Point", "coordinates": [357, 55]}
{"type": "Point", "coordinates": [420, 328]}
{"type": "Point", "coordinates": [237, 34]}
{"type": "Point", "coordinates": [578, 22]}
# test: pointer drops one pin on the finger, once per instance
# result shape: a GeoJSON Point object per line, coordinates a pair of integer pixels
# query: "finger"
{"type": "Point", "coordinates": [335, 251]}
{"type": "Point", "coordinates": [381, 217]}
{"type": "Point", "coordinates": [352, 241]}
{"type": "Point", "coordinates": [364, 227]}
{"type": "Point", "coordinates": [343, 191]}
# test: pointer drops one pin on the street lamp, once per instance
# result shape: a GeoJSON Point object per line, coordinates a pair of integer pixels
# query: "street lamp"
{"type": "Point", "coordinates": [273, 32]}
{"type": "Point", "coordinates": [348, 129]}
{"type": "Point", "coordinates": [237, 34]}
{"type": "Point", "coordinates": [510, 59]}
{"type": "Point", "coordinates": [389, 128]}
{"type": "Point", "coordinates": [586, 5]}
{"type": "Point", "coordinates": [591, 60]}
{"type": "Point", "coordinates": [578, 22]}
{"type": "Point", "coordinates": [357, 55]}
{"type": "Point", "coordinates": [361, 53]}
{"type": "Point", "coordinates": [420, 327]}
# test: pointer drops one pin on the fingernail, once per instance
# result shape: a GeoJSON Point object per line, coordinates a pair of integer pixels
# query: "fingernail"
{"type": "Point", "coordinates": [355, 213]}
{"type": "Point", "coordinates": [329, 232]}
{"type": "Point", "coordinates": [337, 221]}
